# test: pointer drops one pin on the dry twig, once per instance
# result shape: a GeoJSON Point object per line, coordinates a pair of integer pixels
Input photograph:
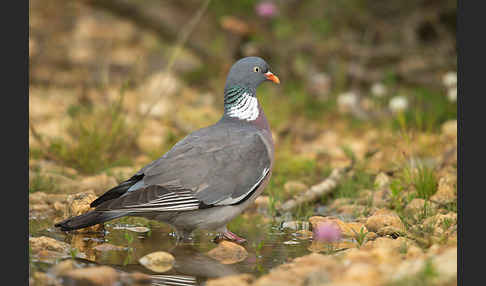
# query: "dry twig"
{"type": "Point", "coordinates": [317, 191]}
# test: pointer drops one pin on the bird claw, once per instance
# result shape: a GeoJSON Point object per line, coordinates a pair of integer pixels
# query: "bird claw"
{"type": "Point", "coordinates": [228, 235]}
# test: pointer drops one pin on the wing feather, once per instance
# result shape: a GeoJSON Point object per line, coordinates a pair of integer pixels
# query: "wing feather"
{"type": "Point", "coordinates": [210, 167]}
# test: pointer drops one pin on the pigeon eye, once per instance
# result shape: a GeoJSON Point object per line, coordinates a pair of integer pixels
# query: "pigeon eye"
{"type": "Point", "coordinates": [256, 69]}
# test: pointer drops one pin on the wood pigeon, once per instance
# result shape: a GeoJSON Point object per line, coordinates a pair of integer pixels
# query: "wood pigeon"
{"type": "Point", "coordinates": [209, 177]}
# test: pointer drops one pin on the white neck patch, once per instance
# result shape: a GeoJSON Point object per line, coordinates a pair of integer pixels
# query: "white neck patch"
{"type": "Point", "coordinates": [245, 109]}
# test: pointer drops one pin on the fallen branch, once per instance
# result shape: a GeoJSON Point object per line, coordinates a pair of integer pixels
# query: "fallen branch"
{"type": "Point", "coordinates": [317, 191]}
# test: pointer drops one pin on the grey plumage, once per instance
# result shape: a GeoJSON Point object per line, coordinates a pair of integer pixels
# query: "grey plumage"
{"type": "Point", "coordinates": [207, 178]}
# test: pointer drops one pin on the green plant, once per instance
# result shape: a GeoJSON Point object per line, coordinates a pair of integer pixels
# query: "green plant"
{"type": "Point", "coordinates": [73, 252]}
{"type": "Point", "coordinates": [446, 223]}
{"type": "Point", "coordinates": [351, 185]}
{"type": "Point", "coordinates": [128, 237]}
{"type": "Point", "coordinates": [430, 110]}
{"type": "Point", "coordinates": [41, 183]}
{"type": "Point", "coordinates": [303, 211]}
{"type": "Point", "coordinates": [360, 236]}
{"type": "Point", "coordinates": [424, 181]}
{"type": "Point", "coordinates": [101, 139]}
{"type": "Point", "coordinates": [403, 248]}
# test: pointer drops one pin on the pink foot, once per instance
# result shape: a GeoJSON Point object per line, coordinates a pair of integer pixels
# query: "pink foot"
{"type": "Point", "coordinates": [228, 235]}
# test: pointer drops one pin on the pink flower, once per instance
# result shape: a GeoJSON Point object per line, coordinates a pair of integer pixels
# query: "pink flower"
{"type": "Point", "coordinates": [266, 9]}
{"type": "Point", "coordinates": [327, 232]}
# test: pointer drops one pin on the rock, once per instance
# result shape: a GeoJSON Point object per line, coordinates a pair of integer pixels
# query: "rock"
{"type": "Point", "coordinates": [385, 242]}
{"type": "Point", "coordinates": [78, 204]}
{"type": "Point", "coordinates": [39, 208]}
{"type": "Point", "coordinates": [362, 273]}
{"type": "Point", "coordinates": [303, 234]}
{"type": "Point", "coordinates": [446, 192]}
{"type": "Point", "coordinates": [138, 229]}
{"type": "Point", "coordinates": [92, 276]}
{"type": "Point", "coordinates": [339, 202]}
{"type": "Point", "coordinates": [348, 229]}
{"type": "Point", "coordinates": [233, 280]}
{"type": "Point", "coordinates": [449, 129]}
{"type": "Point", "coordinates": [314, 267]}
{"type": "Point", "coordinates": [413, 251]}
{"type": "Point", "coordinates": [371, 236]}
{"type": "Point", "coordinates": [84, 245]}
{"type": "Point", "coordinates": [159, 261]}
{"type": "Point", "coordinates": [376, 253]}
{"type": "Point", "coordinates": [228, 252]}
{"type": "Point", "coordinates": [294, 187]}
{"type": "Point", "coordinates": [381, 197]}
{"type": "Point", "coordinates": [37, 198]}
{"type": "Point", "coordinates": [44, 204]}
{"type": "Point", "coordinates": [385, 222]}
{"type": "Point", "coordinates": [406, 269]}
{"type": "Point", "coordinates": [63, 267]}
{"type": "Point", "coordinates": [41, 243]}
{"type": "Point", "coordinates": [352, 210]}
{"type": "Point", "coordinates": [416, 207]}
{"type": "Point", "coordinates": [295, 225]}
{"type": "Point", "coordinates": [43, 279]}
{"type": "Point", "coordinates": [441, 223]}
{"type": "Point", "coordinates": [318, 246]}
{"type": "Point", "coordinates": [41, 198]}
{"type": "Point", "coordinates": [316, 278]}
{"type": "Point", "coordinates": [446, 265]}
{"type": "Point", "coordinates": [104, 247]}
{"type": "Point", "coordinates": [382, 180]}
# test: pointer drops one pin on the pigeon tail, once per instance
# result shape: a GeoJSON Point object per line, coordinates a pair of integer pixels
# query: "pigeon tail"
{"type": "Point", "coordinates": [87, 219]}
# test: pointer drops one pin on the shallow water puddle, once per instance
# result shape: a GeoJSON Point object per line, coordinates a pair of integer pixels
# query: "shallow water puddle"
{"type": "Point", "coordinates": [122, 245]}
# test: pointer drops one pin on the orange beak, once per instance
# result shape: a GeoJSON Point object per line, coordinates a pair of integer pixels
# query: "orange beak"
{"type": "Point", "coordinates": [272, 77]}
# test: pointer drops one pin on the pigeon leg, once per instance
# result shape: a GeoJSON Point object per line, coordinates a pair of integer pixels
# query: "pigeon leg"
{"type": "Point", "coordinates": [183, 236]}
{"type": "Point", "coordinates": [228, 235]}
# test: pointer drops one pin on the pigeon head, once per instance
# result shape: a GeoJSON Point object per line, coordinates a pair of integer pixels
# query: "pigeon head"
{"type": "Point", "coordinates": [249, 72]}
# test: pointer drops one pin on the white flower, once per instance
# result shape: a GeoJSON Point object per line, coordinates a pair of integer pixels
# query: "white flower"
{"type": "Point", "coordinates": [452, 94]}
{"type": "Point", "coordinates": [347, 99]}
{"type": "Point", "coordinates": [450, 79]}
{"type": "Point", "coordinates": [378, 89]}
{"type": "Point", "coordinates": [398, 103]}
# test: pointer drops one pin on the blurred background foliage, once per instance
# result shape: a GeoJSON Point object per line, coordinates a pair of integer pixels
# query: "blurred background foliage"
{"type": "Point", "coordinates": [351, 64]}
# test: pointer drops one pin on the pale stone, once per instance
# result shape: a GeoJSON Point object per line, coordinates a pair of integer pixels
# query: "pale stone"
{"type": "Point", "coordinates": [233, 280]}
{"type": "Point", "coordinates": [46, 243]}
{"type": "Point", "coordinates": [385, 222]}
{"type": "Point", "coordinates": [382, 180]}
{"type": "Point", "coordinates": [159, 261]}
{"type": "Point", "coordinates": [78, 204]}
{"type": "Point", "coordinates": [348, 229]}
{"type": "Point", "coordinates": [228, 252]}
{"type": "Point", "coordinates": [98, 275]}
{"type": "Point", "coordinates": [446, 192]}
